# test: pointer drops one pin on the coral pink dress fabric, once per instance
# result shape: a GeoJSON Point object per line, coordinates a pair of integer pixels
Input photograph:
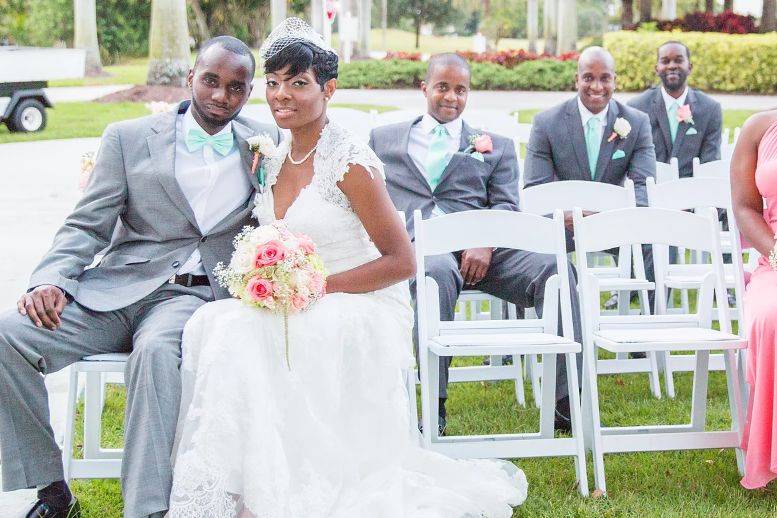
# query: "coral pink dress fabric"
{"type": "Point", "coordinates": [760, 434]}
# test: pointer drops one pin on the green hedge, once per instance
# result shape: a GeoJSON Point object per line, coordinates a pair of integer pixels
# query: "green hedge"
{"type": "Point", "coordinates": [546, 75]}
{"type": "Point", "coordinates": [721, 62]}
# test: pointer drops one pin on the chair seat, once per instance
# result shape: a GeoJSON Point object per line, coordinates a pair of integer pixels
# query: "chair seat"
{"type": "Point", "coordinates": [618, 283]}
{"type": "Point", "coordinates": [666, 339]}
{"type": "Point", "coordinates": [110, 357]}
{"type": "Point", "coordinates": [519, 343]}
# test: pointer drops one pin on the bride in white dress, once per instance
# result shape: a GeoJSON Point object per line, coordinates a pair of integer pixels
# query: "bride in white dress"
{"type": "Point", "coordinates": [331, 437]}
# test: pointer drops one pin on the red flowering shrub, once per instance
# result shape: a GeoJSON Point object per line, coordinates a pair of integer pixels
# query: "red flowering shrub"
{"type": "Point", "coordinates": [408, 56]}
{"type": "Point", "coordinates": [728, 22]}
{"type": "Point", "coordinates": [506, 58]}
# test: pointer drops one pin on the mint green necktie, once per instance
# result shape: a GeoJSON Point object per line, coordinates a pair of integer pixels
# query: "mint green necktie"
{"type": "Point", "coordinates": [671, 113]}
{"type": "Point", "coordinates": [593, 142]}
{"type": "Point", "coordinates": [437, 158]}
{"type": "Point", "coordinates": [221, 143]}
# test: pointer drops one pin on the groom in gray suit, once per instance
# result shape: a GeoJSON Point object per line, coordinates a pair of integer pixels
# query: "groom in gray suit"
{"type": "Point", "coordinates": [437, 163]}
{"type": "Point", "coordinates": [167, 195]}
{"type": "Point", "coordinates": [685, 123]}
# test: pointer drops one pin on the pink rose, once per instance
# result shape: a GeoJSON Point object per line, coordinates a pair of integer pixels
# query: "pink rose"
{"type": "Point", "coordinates": [317, 283]}
{"type": "Point", "coordinates": [684, 113]}
{"type": "Point", "coordinates": [483, 144]}
{"type": "Point", "coordinates": [269, 253]}
{"type": "Point", "coordinates": [299, 302]}
{"type": "Point", "coordinates": [306, 244]}
{"type": "Point", "coordinates": [260, 289]}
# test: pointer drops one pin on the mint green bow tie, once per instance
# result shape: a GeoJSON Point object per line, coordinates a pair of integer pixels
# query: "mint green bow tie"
{"type": "Point", "coordinates": [221, 143]}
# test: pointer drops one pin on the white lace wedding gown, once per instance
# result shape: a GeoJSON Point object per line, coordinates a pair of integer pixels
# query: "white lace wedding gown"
{"type": "Point", "coordinates": [330, 438]}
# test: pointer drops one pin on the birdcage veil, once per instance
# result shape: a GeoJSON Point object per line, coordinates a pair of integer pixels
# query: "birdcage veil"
{"type": "Point", "coordinates": [290, 31]}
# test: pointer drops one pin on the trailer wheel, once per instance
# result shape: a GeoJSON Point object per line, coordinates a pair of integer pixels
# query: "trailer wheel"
{"type": "Point", "coordinates": [28, 116]}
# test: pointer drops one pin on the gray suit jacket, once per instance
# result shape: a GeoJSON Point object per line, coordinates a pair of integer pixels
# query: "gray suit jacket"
{"type": "Point", "coordinates": [134, 210]}
{"type": "Point", "coordinates": [556, 149]}
{"type": "Point", "coordinates": [704, 140]}
{"type": "Point", "coordinates": [466, 184]}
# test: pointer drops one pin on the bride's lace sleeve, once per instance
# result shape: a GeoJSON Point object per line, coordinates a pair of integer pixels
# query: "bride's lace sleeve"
{"type": "Point", "coordinates": [340, 151]}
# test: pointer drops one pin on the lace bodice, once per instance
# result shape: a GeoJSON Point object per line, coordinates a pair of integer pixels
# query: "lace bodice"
{"type": "Point", "coordinates": [322, 211]}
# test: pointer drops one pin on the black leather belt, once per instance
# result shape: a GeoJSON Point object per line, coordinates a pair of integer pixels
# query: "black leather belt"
{"type": "Point", "coordinates": [189, 280]}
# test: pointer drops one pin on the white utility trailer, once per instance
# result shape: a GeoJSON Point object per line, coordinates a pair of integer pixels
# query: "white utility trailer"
{"type": "Point", "coordinates": [24, 73]}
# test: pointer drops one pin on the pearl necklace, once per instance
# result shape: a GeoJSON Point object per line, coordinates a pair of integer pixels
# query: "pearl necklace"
{"type": "Point", "coordinates": [298, 162]}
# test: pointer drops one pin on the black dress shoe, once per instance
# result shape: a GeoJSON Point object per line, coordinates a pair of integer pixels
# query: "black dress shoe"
{"type": "Point", "coordinates": [441, 425]}
{"type": "Point", "coordinates": [637, 355]}
{"type": "Point", "coordinates": [562, 421]}
{"type": "Point", "coordinates": [43, 509]}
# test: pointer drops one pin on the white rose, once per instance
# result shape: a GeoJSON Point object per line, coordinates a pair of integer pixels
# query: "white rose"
{"type": "Point", "coordinates": [262, 143]}
{"type": "Point", "coordinates": [622, 127]}
{"type": "Point", "coordinates": [300, 281]}
{"type": "Point", "coordinates": [160, 107]}
{"type": "Point", "coordinates": [242, 260]}
{"type": "Point", "coordinates": [263, 233]}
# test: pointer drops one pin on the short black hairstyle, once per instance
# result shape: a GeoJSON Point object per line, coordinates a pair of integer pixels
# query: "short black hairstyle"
{"type": "Point", "coordinates": [446, 59]}
{"type": "Point", "coordinates": [231, 44]}
{"type": "Point", "coordinates": [675, 42]}
{"type": "Point", "coordinates": [300, 56]}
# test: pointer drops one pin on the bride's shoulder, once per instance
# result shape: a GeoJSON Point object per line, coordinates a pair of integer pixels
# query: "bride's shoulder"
{"type": "Point", "coordinates": [339, 149]}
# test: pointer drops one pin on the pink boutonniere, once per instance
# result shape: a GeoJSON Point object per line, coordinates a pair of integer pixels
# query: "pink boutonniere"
{"type": "Point", "coordinates": [684, 114]}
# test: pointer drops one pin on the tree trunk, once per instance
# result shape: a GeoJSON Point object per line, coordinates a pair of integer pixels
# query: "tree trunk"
{"type": "Point", "coordinates": [168, 44]}
{"type": "Point", "coordinates": [567, 26]}
{"type": "Point", "coordinates": [85, 25]}
{"type": "Point", "coordinates": [768, 22]}
{"type": "Point", "coordinates": [417, 5]}
{"type": "Point", "coordinates": [550, 28]}
{"type": "Point", "coordinates": [532, 24]}
{"type": "Point", "coordinates": [645, 10]}
{"type": "Point", "coordinates": [728, 5]}
{"type": "Point", "coordinates": [200, 20]}
{"type": "Point", "coordinates": [709, 6]}
{"type": "Point", "coordinates": [278, 12]}
{"type": "Point", "coordinates": [627, 12]}
{"type": "Point", "coordinates": [669, 9]}
{"type": "Point", "coordinates": [365, 25]}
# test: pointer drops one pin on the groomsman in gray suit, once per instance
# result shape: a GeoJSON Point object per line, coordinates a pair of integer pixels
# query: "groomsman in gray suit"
{"type": "Point", "coordinates": [167, 195]}
{"type": "Point", "coordinates": [685, 123]}
{"type": "Point", "coordinates": [432, 164]}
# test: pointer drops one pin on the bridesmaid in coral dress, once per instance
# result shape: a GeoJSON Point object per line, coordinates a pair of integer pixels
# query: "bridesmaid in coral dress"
{"type": "Point", "coordinates": [753, 180]}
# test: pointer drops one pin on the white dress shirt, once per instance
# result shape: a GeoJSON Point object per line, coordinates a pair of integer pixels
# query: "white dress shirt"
{"type": "Point", "coordinates": [585, 115]}
{"type": "Point", "coordinates": [214, 185]}
{"type": "Point", "coordinates": [668, 99]}
{"type": "Point", "coordinates": [421, 135]}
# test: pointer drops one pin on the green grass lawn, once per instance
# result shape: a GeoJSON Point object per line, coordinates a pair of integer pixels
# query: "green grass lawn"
{"type": "Point", "coordinates": [696, 483]}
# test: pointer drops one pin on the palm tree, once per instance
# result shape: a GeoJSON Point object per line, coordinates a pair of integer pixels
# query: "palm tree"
{"type": "Point", "coordinates": [85, 26]}
{"type": "Point", "coordinates": [532, 14]}
{"type": "Point", "coordinates": [550, 26]}
{"type": "Point", "coordinates": [168, 44]}
{"type": "Point", "coordinates": [645, 10]}
{"type": "Point", "coordinates": [768, 21]}
{"type": "Point", "coordinates": [627, 12]}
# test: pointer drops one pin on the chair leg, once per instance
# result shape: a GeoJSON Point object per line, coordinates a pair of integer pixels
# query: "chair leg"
{"type": "Point", "coordinates": [655, 382]}
{"type": "Point", "coordinates": [735, 404]}
{"type": "Point", "coordinates": [434, 398]}
{"type": "Point", "coordinates": [93, 409]}
{"type": "Point", "coordinates": [699, 396]}
{"type": "Point", "coordinates": [577, 423]}
{"type": "Point", "coordinates": [70, 417]}
{"type": "Point", "coordinates": [426, 408]}
{"type": "Point", "coordinates": [548, 408]}
{"type": "Point", "coordinates": [593, 418]}
{"type": "Point", "coordinates": [666, 359]}
{"type": "Point", "coordinates": [534, 373]}
{"type": "Point", "coordinates": [520, 394]}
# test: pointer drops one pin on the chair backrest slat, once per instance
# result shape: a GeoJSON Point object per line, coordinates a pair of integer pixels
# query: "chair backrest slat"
{"type": "Point", "coordinates": [565, 195]}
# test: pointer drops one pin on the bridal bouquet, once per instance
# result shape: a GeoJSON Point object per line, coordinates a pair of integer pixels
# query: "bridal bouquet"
{"type": "Point", "coordinates": [275, 269]}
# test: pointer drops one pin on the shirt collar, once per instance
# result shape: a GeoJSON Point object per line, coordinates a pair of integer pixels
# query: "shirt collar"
{"type": "Point", "coordinates": [586, 114]}
{"type": "Point", "coordinates": [190, 123]}
{"type": "Point", "coordinates": [454, 127]}
{"type": "Point", "coordinates": [668, 99]}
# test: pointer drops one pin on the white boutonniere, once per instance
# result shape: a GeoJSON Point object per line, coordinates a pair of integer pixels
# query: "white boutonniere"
{"type": "Point", "coordinates": [261, 145]}
{"type": "Point", "coordinates": [621, 129]}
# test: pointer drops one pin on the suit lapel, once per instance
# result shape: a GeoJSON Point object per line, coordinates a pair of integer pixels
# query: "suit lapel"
{"type": "Point", "coordinates": [659, 112]}
{"type": "Point", "coordinates": [607, 145]}
{"type": "Point", "coordinates": [690, 100]}
{"type": "Point", "coordinates": [404, 141]}
{"type": "Point", "coordinates": [242, 134]}
{"type": "Point", "coordinates": [575, 128]}
{"type": "Point", "coordinates": [466, 132]}
{"type": "Point", "coordinates": [161, 147]}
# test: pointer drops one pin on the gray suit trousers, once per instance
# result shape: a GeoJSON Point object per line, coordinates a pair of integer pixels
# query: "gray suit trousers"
{"type": "Point", "coordinates": [151, 330]}
{"type": "Point", "coordinates": [515, 276]}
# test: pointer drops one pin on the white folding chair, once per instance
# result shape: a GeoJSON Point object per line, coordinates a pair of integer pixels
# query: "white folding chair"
{"type": "Point", "coordinates": [626, 333]}
{"type": "Point", "coordinates": [667, 172]}
{"type": "Point", "coordinates": [505, 229]}
{"type": "Point", "coordinates": [698, 193]}
{"type": "Point", "coordinates": [714, 169]}
{"type": "Point", "coordinates": [97, 462]}
{"type": "Point", "coordinates": [599, 197]}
